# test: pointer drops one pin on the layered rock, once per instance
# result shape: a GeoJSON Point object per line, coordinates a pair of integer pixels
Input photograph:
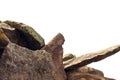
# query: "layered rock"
{"type": "Point", "coordinates": [92, 57]}
{"type": "Point", "coordinates": [24, 56]}
{"type": "Point", "coordinates": [76, 68]}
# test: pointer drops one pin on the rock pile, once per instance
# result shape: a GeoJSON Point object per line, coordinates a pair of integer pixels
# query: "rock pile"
{"type": "Point", "coordinates": [25, 56]}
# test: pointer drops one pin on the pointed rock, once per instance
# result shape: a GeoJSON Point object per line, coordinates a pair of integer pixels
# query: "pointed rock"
{"type": "Point", "coordinates": [55, 48]}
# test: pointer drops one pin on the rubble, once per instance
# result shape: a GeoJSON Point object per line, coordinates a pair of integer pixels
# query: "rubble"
{"type": "Point", "coordinates": [25, 56]}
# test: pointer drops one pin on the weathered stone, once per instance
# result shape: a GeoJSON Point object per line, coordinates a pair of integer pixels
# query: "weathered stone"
{"type": "Point", "coordinates": [6, 26]}
{"type": "Point", "coordinates": [90, 70]}
{"type": "Point", "coordinates": [85, 76]}
{"type": "Point", "coordinates": [68, 56]}
{"type": "Point", "coordinates": [55, 48]}
{"type": "Point", "coordinates": [93, 57]}
{"type": "Point", "coordinates": [23, 35]}
{"type": "Point", "coordinates": [86, 69]}
{"type": "Point", "coordinates": [19, 63]}
{"type": "Point", "coordinates": [65, 63]}
{"type": "Point", "coordinates": [3, 39]}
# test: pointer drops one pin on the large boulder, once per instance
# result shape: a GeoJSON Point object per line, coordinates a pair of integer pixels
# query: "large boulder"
{"type": "Point", "coordinates": [20, 63]}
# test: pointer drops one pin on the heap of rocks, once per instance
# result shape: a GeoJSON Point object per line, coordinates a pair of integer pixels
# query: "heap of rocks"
{"type": "Point", "coordinates": [25, 56]}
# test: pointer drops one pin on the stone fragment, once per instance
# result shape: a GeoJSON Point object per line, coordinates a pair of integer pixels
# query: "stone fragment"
{"type": "Point", "coordinates": [55, 48]}
{"type": "Point", "coordinates": [19, 63]}
{"type": "Point", "coordinates": [65, 63]}
{"type": "Point", "coordinates": [68, 57]}
{"type": "Point", "coordinates": [3, 39]}
{"type": "Point", "coordinates": [86, 69]}
{"type": "Point", "coordinates": [22, 35]}
{"type": "Point", "coordinates": [85, 76]}
{"type": "Point", "coordinates": [93, 57]}
{"type": "Point", "coordinates": [6, 26]}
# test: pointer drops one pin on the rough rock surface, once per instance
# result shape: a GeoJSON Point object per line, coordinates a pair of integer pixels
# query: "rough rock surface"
{"type": "Point", "coordinates": [85, 76]}
{"type": "Point", "coordinates": [68, 56]}
{"type": "Point", "coordinates": [4, 40]}
{"type": "Point", "coordinates": [24, 56]}
{"type": "Point", "coordinates": [22, 35]}
{"type": "Point", "coordinates": [67, 59]}
{"type": "Point", "coordinates": [86, 69]}
{"type": "Point", "coordinates": [92, 57]}
{"type": "Point", "coordinates": [55, 48]}
{"type": "Point", "coordinates": [19, 63]}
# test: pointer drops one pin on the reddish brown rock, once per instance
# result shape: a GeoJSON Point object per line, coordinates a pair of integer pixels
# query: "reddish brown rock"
{"type": "Point", "coordinates": [92, 57]}
{"type": "Point", "coordinates": [85, 76]}
{"type": "Point", "coordinates": [86, 69]}
{"type": "Point", "coordinates": [19, 63]}
{"type": "Point", "coordinates": [55, 48]}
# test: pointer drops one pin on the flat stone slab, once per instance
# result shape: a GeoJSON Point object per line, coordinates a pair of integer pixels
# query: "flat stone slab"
{"type": "Point", "coordinates": [92, 57]}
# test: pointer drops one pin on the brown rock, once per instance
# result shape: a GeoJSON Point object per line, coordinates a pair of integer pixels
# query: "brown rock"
{"type": "Point", "coordinates": [55, 48]}
{"type": "Point", "coordinates": [90, 70]}
{"type": "Point", "coordinates": [65, 63]}
{"type": "Point", "coordinates": [3, 39]}
{"type": "Point", "coordinates": [22, 35]}
{"type": "Point", "coordinates": [85, 76]}
{"type": "Point", "coordinates": [68, 57]}
{"type": "Point", "coordinates": [93, 57]}
{"type": "Point", "coordinates": [19, 63]}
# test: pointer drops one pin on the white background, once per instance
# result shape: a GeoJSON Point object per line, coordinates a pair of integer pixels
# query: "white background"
{"type": "Point", "coordinates": [87, 25]}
